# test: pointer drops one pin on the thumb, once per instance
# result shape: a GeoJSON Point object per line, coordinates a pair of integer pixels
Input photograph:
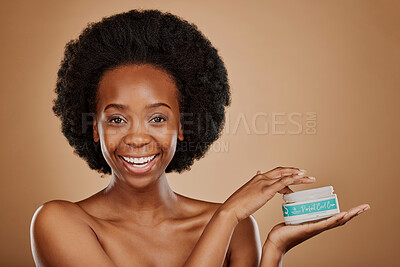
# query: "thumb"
{"type": "Point", "coordinates": [286, 190]}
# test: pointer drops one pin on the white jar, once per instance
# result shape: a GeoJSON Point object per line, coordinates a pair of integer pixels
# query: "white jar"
{"type": "Point", "coordinates": [310, 205]}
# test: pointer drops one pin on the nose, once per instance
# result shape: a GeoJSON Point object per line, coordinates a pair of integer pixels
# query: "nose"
{"type": "Point", "coordinates": [137, 136]}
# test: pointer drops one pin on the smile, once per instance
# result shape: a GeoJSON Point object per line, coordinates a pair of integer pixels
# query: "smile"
{"type": "Point", "coordinates": [139, 161]}
{"type": "Point", "coordinates": [139, 165]}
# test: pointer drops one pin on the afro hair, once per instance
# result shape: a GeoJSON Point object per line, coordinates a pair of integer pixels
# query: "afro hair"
{"type": "Point", "coordinates": [143, 37]}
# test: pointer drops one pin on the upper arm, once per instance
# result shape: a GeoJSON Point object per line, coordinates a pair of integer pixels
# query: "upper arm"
{"type": "Point", "coordinates": [245, 246]}
{"type": "Point", "coordinates": [59, 237]}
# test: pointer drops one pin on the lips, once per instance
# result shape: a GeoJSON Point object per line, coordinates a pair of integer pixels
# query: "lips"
{"type": "Point", "coordinates": [139, 168]}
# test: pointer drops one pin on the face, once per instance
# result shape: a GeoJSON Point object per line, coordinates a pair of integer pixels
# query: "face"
{"type": "Point", "coordinates": [137, 122]}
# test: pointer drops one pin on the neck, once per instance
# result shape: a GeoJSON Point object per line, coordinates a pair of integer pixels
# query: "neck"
{"type": "Point", "coordinates": [150, 205]}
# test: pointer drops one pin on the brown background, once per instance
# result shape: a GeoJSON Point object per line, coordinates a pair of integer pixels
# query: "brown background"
{"type": "Point", "coordinates": [339, 59]}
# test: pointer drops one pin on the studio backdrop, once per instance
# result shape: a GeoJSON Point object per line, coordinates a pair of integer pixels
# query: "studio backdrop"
{"type": "Point", "coordinates": [315, 85]}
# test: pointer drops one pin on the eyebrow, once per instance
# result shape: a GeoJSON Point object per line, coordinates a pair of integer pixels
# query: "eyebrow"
{"type": "Point", "coordinates": [124, 107]}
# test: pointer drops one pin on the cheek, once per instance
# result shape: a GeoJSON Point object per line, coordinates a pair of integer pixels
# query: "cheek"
{"type": "Point", "coordinates": [165, 143]}
{"type": "Point", "coordinates": [108, 146]}
{"type": "Point", "coordinates": [113, 132]}
{"type": "Point", "coordinates": [165, 137]}
{"type": "Point", "coordinates": [168, 148]}
{"type": "Point", "coordinates": [109, 139]}
{"type": "Point", "coordinates": [110, 134]}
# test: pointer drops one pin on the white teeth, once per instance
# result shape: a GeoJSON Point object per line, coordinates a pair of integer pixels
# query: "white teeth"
{"type": "Point", "coordinates": [139, 160]}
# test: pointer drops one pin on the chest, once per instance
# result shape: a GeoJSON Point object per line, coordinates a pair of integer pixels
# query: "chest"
{"type": "Point", "coordinates": [166, 246]}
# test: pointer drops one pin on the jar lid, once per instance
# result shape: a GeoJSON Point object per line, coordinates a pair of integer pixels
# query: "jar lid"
{"type": "Point", "coordinates": [308, 194]}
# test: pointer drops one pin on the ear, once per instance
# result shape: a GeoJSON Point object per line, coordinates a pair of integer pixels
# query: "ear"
{"type": "Point", "coordinates": [96, 137]}
{"type": "Point", "coordinates": [180, 132]}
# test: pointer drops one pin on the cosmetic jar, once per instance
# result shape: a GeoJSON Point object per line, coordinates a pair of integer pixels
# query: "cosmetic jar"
{"type": "Point", "coordinates": [309, 205]}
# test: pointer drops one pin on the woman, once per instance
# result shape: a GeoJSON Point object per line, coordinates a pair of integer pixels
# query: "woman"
{"type": "Point", "coordinates": [141, 94]}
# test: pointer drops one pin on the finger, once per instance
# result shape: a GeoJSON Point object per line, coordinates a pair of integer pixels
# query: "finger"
{"type": "Point", "coordinates": [280, 184]}
{"type": "Point", "coordinates": [362, 206]}
{"type": "Point", "coordinates": [286, 190]}
{"type": "Point", "coordinates": [305, 179]}
{"type": "Point", "coordinates": [319, 226]}
{"type": "Point", "coordinates": [353, 213]}
{"type": "Point", "coordinates": [279, 172]}
{"type": "Point", "coordinates": [338, 219]}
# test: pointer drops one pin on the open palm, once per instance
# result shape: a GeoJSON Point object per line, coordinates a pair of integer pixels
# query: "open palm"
{"type": "Point", "coordinates": [285, 237]}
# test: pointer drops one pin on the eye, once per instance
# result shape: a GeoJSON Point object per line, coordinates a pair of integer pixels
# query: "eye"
{"type": "Point", "coordinates": [116, 120]}
{"type": "Point", "coordinates": [158, 119]}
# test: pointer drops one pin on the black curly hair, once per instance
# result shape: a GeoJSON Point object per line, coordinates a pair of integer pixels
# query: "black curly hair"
{"type": "Point", "coordinates": [139, 37]}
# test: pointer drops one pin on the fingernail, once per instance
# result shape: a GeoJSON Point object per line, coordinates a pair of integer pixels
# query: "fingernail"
{"type": "Point", "coordinates": [346, 215]}
{"type": "Point", "coordinates": [302, 171]}
{"type": "Point", "coordinates": [311, 177]}
{"type": "Point", "coordinates": [366, 208]}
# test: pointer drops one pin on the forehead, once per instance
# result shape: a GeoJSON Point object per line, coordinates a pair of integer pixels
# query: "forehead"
{"type": "Point", "coordinates": [136, 86]}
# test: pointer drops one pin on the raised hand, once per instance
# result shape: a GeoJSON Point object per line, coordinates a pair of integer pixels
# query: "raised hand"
{"type": "Point", "coordinates": [261, 188]}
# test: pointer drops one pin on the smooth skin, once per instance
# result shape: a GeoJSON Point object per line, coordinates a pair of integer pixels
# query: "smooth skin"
{"type": "Point", "coordinates": [137, 220]}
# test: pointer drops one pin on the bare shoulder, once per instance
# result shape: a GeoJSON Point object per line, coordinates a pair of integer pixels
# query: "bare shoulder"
{"type": "Point", "coordinates": [56, 213]}
{"type": "Point", "coordinates": [59, 234]}
{"type": "Point", "coordinates": [53, 207]}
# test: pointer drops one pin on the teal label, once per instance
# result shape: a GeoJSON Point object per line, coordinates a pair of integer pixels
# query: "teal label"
{"type": "Point", "coordinates": [312, 207]}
